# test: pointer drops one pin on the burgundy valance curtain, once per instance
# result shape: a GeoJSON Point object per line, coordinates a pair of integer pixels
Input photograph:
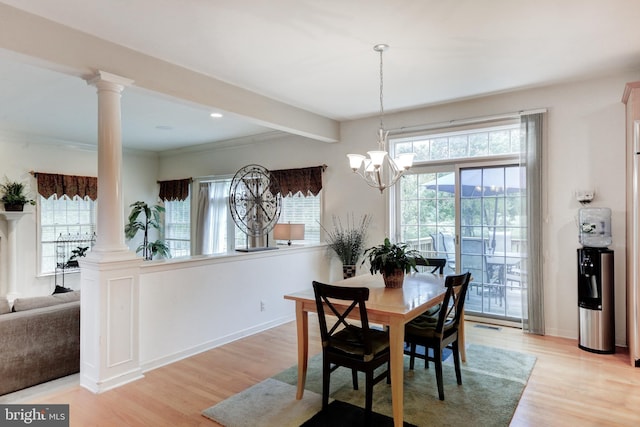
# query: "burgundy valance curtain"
{"type": "Point", "coordinates": [67, 185]}
{"type": "Point", "coordinates": [307, 181]}
{"type": "Point", "coordinates": [175, 190]}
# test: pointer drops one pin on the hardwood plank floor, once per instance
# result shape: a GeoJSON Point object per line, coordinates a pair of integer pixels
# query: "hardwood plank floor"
{"type": "Point", "coordinates": [568, 386]}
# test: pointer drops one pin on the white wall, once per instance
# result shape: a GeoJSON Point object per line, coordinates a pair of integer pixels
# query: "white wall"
{"type": "Point", "coordinates": [190, 306]}
{"type": "Point", "coordinates": [18, 158]}
{"type": "Point", "coordinates": [584, 150]}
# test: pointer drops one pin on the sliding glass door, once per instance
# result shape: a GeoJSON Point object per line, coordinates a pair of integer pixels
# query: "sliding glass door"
{"type": "Point", "coordinates": [492, 238]}
{"type": "Point", "coordinates": [473, 217]}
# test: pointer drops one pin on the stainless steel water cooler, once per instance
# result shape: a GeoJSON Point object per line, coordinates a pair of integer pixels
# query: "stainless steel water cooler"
{"type": "Point", "coordinates": [595, 300]}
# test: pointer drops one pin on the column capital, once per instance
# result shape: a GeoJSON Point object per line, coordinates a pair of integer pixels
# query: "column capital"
{"type": "Point", "coordinates": [104, 77]}
{"type": "Point", "coordinates": [14, 215]}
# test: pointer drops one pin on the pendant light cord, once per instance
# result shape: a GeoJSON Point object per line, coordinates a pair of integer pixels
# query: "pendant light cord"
{"type": "Point", "coordinates": [381, 91]}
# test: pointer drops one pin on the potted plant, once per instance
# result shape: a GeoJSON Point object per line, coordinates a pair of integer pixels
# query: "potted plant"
{"type": "Point", "coordinates": [14, 197]}
{"type": "Point", "coordinates": [151, 220]}
{"type": "Point", "coordinates": [393, 261]}
{"type": "Point", "coordinates": [347, 242]}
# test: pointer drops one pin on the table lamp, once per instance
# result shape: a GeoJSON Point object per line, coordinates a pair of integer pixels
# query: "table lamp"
{"type": "Point", "coordinates": [288, 232]}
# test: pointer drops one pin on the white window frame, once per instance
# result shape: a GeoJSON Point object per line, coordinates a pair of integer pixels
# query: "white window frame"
{"type": "Point", "coordinates": [313, 231]}
{"type": "Point", "coordinates": [166, 225]}
{"type": "Point", "coordinates": [85, 228]}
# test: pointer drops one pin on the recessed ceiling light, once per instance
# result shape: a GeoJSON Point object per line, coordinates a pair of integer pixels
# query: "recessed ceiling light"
{"type": "Point", "coordinates": [216, 115]}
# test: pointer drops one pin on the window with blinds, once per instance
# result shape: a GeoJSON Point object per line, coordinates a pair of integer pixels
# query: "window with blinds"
{"type": "Point", "coordinates": [62, 216]}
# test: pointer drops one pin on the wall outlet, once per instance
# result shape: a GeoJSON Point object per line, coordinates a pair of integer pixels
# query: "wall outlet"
{"type": "Point", "coordinates": [585, 196]}
{"type": "Point", "coordinates": [263, 306]}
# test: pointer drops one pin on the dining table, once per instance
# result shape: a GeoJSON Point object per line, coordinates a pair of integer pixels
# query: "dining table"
{"type": "Point", "coordinates": [390, 307]}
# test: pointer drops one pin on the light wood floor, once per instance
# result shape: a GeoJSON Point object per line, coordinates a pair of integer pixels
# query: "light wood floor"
{"type": "Point", "coordinates": [568, 386]}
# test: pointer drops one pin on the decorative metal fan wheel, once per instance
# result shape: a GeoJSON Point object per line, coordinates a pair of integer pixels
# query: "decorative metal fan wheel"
{"type": "Point", "coordinates": [255, 200]}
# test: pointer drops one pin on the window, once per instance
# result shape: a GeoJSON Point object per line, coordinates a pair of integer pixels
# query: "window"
{"type": "Point", "coordinates": [302, 200]}
{"type": "Point", "coordinates": [177, 227]}
{"type": "Point", "coordinates": [463, 201]}
{"type": "Point", "coordinates": [303, 210]}
{"type": "Point", "coordinates": [215, 222]}
{"type": "Point", "coordinates": [215, 231]}
{"type": "Point", "coordinates": [62, 216]}
{"type": "Point", "coordinates": [463, 144]}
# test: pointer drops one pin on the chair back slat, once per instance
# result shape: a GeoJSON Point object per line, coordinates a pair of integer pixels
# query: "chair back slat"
{"type": "Point", "coordinates": [453, 303]}
{"type": "Point", "coordinates": [325, 294]}
{"type": "Point", "coordinates": [438, 264]}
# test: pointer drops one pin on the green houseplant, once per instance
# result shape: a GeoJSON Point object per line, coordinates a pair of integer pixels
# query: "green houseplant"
{"type": "Point", "coordinates": [13, 196]}
{"type": "Point", "coordinates": [150, 219]}
{"type": "Point", "coordinates": [393, 260]}
{"type": "Point", "coordinates": [347, 242]}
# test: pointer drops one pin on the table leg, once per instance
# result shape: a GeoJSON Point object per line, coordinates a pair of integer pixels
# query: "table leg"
{"type": "Point", "coordinates": [462, 348]}
{"type": "Point", "coordinates": [396, 344]}
{"type": "Point", "coordinates": [302, 326]}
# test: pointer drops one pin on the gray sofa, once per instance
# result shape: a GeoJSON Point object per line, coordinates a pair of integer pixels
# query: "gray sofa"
{"type": "Point", "coordinates": [40, 340]}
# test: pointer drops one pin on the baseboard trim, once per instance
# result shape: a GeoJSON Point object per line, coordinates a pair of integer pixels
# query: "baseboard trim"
{"type": "Point", "coordinates": [101, 386]}
{"type": "Point", "coordinates": [166, 360]}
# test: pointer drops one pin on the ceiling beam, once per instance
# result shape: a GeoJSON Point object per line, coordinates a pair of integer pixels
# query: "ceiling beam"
{"type": "Point", "coordinates": [74, 52]}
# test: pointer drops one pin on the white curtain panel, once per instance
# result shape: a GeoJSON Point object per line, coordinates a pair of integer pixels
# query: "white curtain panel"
{"type": "Point", "coordinates": [211, 217]}
{"type": "Point", "coordinates": [531, 157]}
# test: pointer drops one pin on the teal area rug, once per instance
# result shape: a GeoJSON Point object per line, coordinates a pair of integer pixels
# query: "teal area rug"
{"type": "Point", "coordinates": [492, 383]}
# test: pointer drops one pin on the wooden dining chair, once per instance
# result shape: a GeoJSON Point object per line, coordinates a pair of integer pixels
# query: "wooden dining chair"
{"type": "Point", "coordinates": [358, 348]}
{"type": "Point", "coordinates": [438, 333]}
{"type": "Point", "coordinates": [438, 264]}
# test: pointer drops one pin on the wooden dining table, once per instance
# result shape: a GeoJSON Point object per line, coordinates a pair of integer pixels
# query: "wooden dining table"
{"type": "Point", "coordinates": [385, 306]}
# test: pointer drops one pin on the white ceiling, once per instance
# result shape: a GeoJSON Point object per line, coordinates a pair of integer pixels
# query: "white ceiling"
{"type": "Point", "coordinates": [316, 55]}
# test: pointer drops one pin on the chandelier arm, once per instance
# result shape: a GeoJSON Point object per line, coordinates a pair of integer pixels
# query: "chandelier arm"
{"type": "Point", "coordinates": [363, 174]}
{"type": "Point", "coordinates": [368, 177]}
{"type": "Point", "coordinates": [396, 178]}
{"type": "Point", "coordinates": [379, 179]}
{"type": "Point", "coordinates": [394, 166]}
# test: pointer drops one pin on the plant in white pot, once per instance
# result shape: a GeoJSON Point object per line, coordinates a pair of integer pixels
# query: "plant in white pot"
{"type": "Point", "coordinates": [393, 260]}
{"type": "Point", "coordinates": [14, 196]}
{"type": "Point", "coordinates": [347, 242]}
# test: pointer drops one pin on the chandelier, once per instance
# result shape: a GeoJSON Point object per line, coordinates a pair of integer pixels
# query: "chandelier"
{"type": "Point", "coordinates": [379, 170]}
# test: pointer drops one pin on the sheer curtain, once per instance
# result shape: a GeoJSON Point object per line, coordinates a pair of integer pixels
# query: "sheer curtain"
{"type": "Point", "coordinates": [211, 218]}
{"type": "Point", "coordinates": [531, 157]}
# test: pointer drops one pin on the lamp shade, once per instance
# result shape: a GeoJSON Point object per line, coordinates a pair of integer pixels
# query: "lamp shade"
{"type": "Point", "coordinates": [377, 157]}
{"type": "Point", "coordinates": [288, 231]}
{"type": "Point", "coordinates": [405, 160]}
{"type": "Point", "coordinates": [355, 160]}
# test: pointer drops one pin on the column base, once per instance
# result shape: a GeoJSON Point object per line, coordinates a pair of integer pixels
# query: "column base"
{"type": "Point", "coordinates": [99, 386]}
{"type": "Point", "coordinates": [109, 341]}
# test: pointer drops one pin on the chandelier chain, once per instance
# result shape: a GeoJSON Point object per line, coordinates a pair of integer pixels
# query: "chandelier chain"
{"type": "Point", "coordinates": [381, 92]}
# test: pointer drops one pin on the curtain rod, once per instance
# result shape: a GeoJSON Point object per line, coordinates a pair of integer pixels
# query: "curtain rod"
{"type": "Point", "coordinates": [471, 120]}
{"type": "Point", "coordinates": [211, 178]}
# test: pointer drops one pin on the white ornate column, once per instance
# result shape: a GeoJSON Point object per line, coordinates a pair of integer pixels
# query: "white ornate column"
{"type": "Point", "coordinates": [109, 343]}
{"type": "Point", "coordinates": [110, 233]}
{"type": "Point", "coordinates": [12, 220]}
